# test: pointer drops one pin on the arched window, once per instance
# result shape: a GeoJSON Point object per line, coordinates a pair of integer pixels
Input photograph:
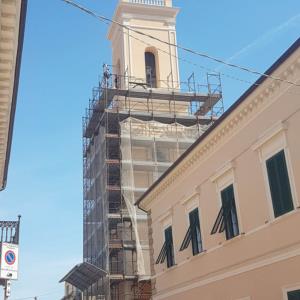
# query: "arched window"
{"type": "Point", "coordinates": [151, 78]}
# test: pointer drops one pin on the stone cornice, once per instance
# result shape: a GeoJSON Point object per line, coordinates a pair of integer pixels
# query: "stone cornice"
{"type": "Point", "coordinates": [237, 119]}
{"type": "Point", "coordinates": [9, 37]}
{"type": "Point", "coordinates": [144, 12]}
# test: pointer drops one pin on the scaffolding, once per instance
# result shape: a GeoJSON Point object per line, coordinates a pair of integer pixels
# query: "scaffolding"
{"type": "Point", "coordinates": [132, 133]}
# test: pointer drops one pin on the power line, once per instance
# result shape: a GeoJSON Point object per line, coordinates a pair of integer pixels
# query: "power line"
{"type": "Point", "coordinates": [39, 296]}
{"type": "Point", "coordinates": [204, 55]}
{"type": "Point", "coordinates": [177, 57]}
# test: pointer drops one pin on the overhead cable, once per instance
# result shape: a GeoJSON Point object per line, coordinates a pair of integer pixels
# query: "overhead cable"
{"type": "Point", "coordinates": [201, 54]}
{"type": "Point", "coordinates": [170, 54]}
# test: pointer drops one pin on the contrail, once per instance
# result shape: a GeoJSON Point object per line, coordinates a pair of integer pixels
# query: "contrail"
{"type": "Point", "coordinates": [295, 20]}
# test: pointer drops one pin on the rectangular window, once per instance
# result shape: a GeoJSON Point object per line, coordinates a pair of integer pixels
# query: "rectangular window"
{"type": "Point", "coordinates": [193, 233]}
{"type": "Point", "coordinates": [230, 216]}
{"type": "Point", "coordinates": [169, 246]}
{"type": "Point", "coordinates": [294, 295]}
{"type": "Point", "coordinates": [227, 218]}
{"type": "Point", "coordinates": [167, 251]}
{"type": "Point", "coordinates": [279, 184]}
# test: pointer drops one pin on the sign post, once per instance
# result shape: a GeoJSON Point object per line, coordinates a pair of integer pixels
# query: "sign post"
{"type": "Point", "coordinates": [9, 254]}
{"type": "Point", "coordinates": [7, 289]}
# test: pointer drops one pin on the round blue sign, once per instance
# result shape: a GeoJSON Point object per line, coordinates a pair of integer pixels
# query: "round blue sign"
{"type": "Point", "coordinates": [10, 257]}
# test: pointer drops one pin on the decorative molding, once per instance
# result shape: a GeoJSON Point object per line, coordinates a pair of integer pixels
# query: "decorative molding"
{"type": "Point", "coordinates": [165, 217]}
{"type": "Point", "coordinates": [191, 197]}
{"type": "Point", "coordinates": [222, 171]}
{"type": "Point", "coordinates": [269, 134]}
{"type": "Point", "coordinates": [250, 267]}
{"type": "Point", "coordinates": [144, 12]}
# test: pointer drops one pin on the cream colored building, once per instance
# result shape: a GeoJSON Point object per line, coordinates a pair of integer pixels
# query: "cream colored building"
{"type": "Point", "coordinates": [225, 217]}
{"type": "Point", "coordinates": [12, 23]}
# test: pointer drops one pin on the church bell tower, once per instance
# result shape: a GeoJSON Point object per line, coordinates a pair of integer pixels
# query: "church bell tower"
{"type": "Point", "coordinates": [139, 57]}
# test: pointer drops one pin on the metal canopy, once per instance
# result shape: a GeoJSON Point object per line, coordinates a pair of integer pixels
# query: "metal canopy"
{"type": "Point", "coordinates": [83, 275]}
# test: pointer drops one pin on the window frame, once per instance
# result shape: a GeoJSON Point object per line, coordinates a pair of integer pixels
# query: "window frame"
{"type": "Point", "coordinates": [223, 178]}
{"type": "Point", "coordinates": [166, 222]}
{"type": "Point", "coordinates": [269, 183]}
{"type": "Point", "coordinates": [173, 263]}
{"type": "Point", "coordinates": [154, 80]}
{"type": "Point", "coordinates": [269, 144]}
{"type": "Point", "coordinates": [229, 237]}
{"type": "Point", "coordinates": [288, 289]}
{"type": "Point", "coordinates": [188, 212]}
{"type": "Point", "coordinates": [200, 250]}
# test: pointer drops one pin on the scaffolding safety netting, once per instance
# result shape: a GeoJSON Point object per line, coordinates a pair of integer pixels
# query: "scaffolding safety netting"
{"type": "Point", "coordinates": [148, 149]}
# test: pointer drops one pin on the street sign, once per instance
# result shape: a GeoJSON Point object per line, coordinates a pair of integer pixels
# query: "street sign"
{"type": "Point", "coordinates": [9, 261]}
{"type": "Point", "coordinates": [10, 257]}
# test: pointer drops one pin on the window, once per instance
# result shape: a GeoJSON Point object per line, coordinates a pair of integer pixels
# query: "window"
{"type": "Point", "coordinates": [151, 77]}
{"type": "Point", "coordinates": [294, 295]}
{"type": "Point", "coordinates": [279, 184]}
{"type": "Point", "coordinates": [167, 251]}
{"type": "Point", "coordinates": [193, 233]}
{"type": "Point", "coordinates": [227, 218]}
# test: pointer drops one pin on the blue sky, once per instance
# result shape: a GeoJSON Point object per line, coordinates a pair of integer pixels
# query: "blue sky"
{"type": "Point", "coordinates": [63, 53]}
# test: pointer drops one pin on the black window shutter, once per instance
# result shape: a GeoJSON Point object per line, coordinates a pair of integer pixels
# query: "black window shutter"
{"type": "Point", "coordinates": [195, 231]}
{"type": "Point", "coordinates": [169, 247]}
{"type": "Point", "coordinates": [294, 295]}
{"type": "Point", "coordinates": [162, 255]}
{"type": "Point", "coordinates": [186, 240]}
{"type": "Point", "coordinates": [279, 184]}
{"type": "Point", "coordinates": [219, 223]}
{"type": "Point", "coordinates": [229, 213]}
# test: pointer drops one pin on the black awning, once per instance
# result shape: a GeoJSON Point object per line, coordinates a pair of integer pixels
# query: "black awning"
{"type": "Point", "coordinates": [83, 275]}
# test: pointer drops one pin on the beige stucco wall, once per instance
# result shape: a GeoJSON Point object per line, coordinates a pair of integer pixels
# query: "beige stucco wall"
{"type": "Point", "coordinates": [128, 47]}
{"type": "Point", "coordinates": [265, 258]}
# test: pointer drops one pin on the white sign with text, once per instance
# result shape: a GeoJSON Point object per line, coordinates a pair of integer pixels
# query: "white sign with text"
{"type": "Point", "coordinates": [9, 261]}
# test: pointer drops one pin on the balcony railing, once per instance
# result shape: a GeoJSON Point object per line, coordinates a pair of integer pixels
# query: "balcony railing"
{"type": "Point", "coordinates": [149, 2]}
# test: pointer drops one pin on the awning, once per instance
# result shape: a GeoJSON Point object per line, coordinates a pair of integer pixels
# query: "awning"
{"type": "Point", "coordinates": [83, 275]}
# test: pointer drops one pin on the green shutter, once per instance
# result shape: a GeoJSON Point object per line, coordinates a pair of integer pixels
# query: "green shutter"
{"type": "Point", "coordinates": [162, 254]}
{"type": "Point", "coordinates": [187, 239]}
{"type": "Point", "coordinates": [169, 247]}
{"type": "Point", "coordinates": [294, 295]}
{"type": "Point", "coordinates": [195, 231]}
{"type": "Point", "coordinates": [229, 212]}
{"type": "Point", "coordinates": [279, 184]}
{"type": "Point", "coordinates": [219, 223]}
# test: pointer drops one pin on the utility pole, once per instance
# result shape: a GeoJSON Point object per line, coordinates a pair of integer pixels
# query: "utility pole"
{"type": "Point", "coordinates": [7, 289]}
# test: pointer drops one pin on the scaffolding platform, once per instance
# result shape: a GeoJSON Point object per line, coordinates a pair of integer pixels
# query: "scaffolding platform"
{"type": "Point", "coordinates": [104, 104]}
{"type": "Point", "coordinates": [131, 136]}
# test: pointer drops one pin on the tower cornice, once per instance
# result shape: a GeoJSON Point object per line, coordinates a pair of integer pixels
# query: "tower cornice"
{"type": "Point", "coordinates": [128, 10]}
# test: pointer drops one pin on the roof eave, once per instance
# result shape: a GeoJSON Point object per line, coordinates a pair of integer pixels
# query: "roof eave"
{"type": "Point", "coordinates": [15, 90]}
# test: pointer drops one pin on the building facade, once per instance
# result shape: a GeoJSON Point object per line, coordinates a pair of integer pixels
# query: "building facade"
{"type": "Point", "coordinates": [12, 23]}
{"type": "Point", "coordinates": [225, 217]}
{"type": "Point", "coordinates": [140, 120]}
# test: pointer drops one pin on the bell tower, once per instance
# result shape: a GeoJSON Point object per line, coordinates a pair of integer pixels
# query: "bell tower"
{"type": "Point", "coordinates": [139, 57]}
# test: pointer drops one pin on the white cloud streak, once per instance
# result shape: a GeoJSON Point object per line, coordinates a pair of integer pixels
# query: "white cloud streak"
{"type": "Point", "coordinates": [265, 38]}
